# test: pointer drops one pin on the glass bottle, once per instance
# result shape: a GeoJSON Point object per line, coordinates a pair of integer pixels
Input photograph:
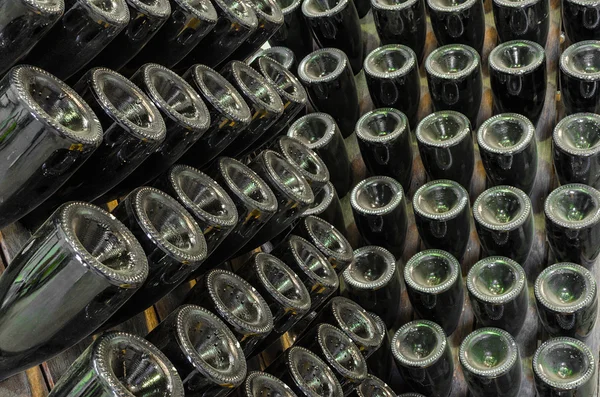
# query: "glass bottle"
{"type": "Point", "coordinates": [518, 78]}
{"type": "Point", "coordinates": [579, 79]}
{"type": "Point", "coordinates": [580, 20]}
{"type": "Point", "coordinates": [435, 288]}
{"type": "Point", "coordinates": [564, 367]}
{"type": "Point", "coordinates": [573, 223]}
{"type": "Point", "coordinates": [392, 74]}
{"type": "Point", "coordinates": [504, 222]}
{"type": "Point", "coordinates": [320, 133]}
{"type": "Point", "coordinates": [454, 79]}
{"type": "Point", "coordinates": [189, 23]}
{"type": "Point", "coordinates": [280, 286]}
{"type": "Point", "coordinates": [116, 364]}
{"type": "Point", "coordinates": [576, 149]}
{"type": "Point", "coordinates": [86, 27]}
{"type": "Point", "coordinates": [236, 22]}
{"type": "Point", "coordinates": [498, 293]}
{"type": "Point", "coordinates": [379, 209]}
{"type": "Point", "coordinates": [172, 240]}
{"type": "Point", "coordinates": [313, 269]}
{"type": "Point", "coordinates": [491, 363]}
{"type": "Point", "coordinates": [446, 146]}
{"type": "Point", "coordinates": [508, 150]}
{"type": "Point", "coordinates": [330, 241]}
{"type": "Point", "coordinates": [306, 374]}
{"type": "Point", "coordinates": [203, 350]}
{"type": "Point", "coordinates": [383, 137]}
{"type": "Point", "coordinates": [281, 55]}
{"type": "Point", "coordinates": [373, 387]}
{"type": "Point", "coordinates": [237, 303]}
{"type": "Point", "coordinates": [381, 362]}
{"type": "Point", "coordinates": [443, 217]}
{"type": "Point", "coordinates": [327, 206]}
{"type": "Point", "coordinates": [145, 19]}
{"type": "Point", "coordinates": [255, 203]}
{"type": "Point", "coordinates": [338, 351]}
{"type": "Point", "coordinates": [270, 20]}
{"type": "Point", "coordinates": [336, 24]}
{"type": "Point", "coordinates": [22, 24]}
{"type": "Point", "coordinates": [567, 300]}
{"type": "Point", "coordinates": [373, 280]}
{"type": "Point", "coordinates": [329, 81]}
{"type": "Point", "coordinates": [47, 132]}
{"type": "Point", "coordinates": [207, 202]}
{"type": "Point", "coordinates": [522, 20]}
{"type": "Point", "coordinates": [262, 384]}
{"type": "Point", "coordinates": [294, 33]}
{"type": "Point", "coordinates": [230, 115]}
{"type": "Point", "coordinates": [306, 161]}
{"type": "Point", "coordinates": [401, 22]}
{"type": "Point", "coordinates": [424, 359]}
{"type": "Point", "coordinates": [461, 22]}
{"type": "Point", "coordinates": [262, 99]}
{"type": "Point", "coordinates": [186, 119]}
{"type": "Point", "coordinates": [76, 270]}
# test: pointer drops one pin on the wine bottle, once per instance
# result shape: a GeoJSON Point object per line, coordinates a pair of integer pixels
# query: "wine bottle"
{"type": "Point", "coordinates": [327, 206]}
{"type": "Point", "coordinates": [261, 384]}
{"type": "Point", "coordinates": [294, 33]}
{"type": "Point", "coordinates": [281, 55]}
{"type": "Point", "coordinates": [306, 161]}
{"type": "Point", "coordinates": [578, 81]}
{"type": "Point", "coordinates": [522, 20]}
{"type": "Point", "coordinates": [374, 387]}
{"type": "Point", "coordinates": [579, 20]}
{"type": "Point", "coordinates": [460, 23]}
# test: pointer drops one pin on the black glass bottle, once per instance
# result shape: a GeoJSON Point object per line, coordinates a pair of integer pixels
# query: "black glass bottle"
{"type": "Point", "coordinates": [435, 288]}
{"type": "Point", "coordinates": [282, 289]}
{"type": "Point", "coordinates": [75, 271]}
{"type": "Point", "coordinates": [292, 191]}
{"type": "Point", "coordinates": [186, 119]}
{"type": "Point", "coordinates": [579, 78]}
{"type": "Point", "coordinates": [564, 367]}
{"type": "Point", "coordinates": [237, 303]}
{"type": "Point", "coordinates": [518, 78]}
{"type": "Point", "coordinates": [260, 384]}
{"type": "Point", "coordinates": [270, 20]}
{"type": "Point", "coordinates": [117, 363]}
{"type": "Point", "coordinates": [306, 161]}
{"type": "Point", "coordinates": [393, 80]}
{"type": "Point", "coordinates": [508, 150]}
{"type": "Point", "coordinates": [504, 222]}
{"type": "Point", "coordinates": [86, 27]}
{"type": "Point", "coordinates": [294, 33]}
{"type": "Point", "coordinates": [446, 147]}
{"type": "Point", "coordinates": [282, 55]}
{"type": "Point", "coordinates": [189, 23]}
{"type": "Point", "coordinates": [327, 206]}
{"type": "Point", "coordinates": [145, 19]}
{"type": "Point", "coordinates": [573, 223]}
{"type": "Point", "coordinates": [330, 84]}
{"type": "Point", "coordinates": [454, 79]}
{"type": "Point", "coordinates": [491, 363]}
{"type": "Point", "coordinates": [443, 217]}
{"type": "Point", "coordinates": [379, 209]}
{"type": "Point", "coordinates": [522, 20]}
{"type": "Point", "coordinates": [498, 293]}
{"type": "Point", "coordinates": [262, 99]}
{"type": "Point", "coordinates": [48, 131]}
{"type": "Point", "coordinates": [338, 351]}
{"type": "Point", "coordinates": [576, 149]}
{"type": "Point", "coordinates": [236, 22]}
{"type": "Point", "coordinates": [306, 374]}
{"type": "Point", "coordinates": [330, 241]}
{"type": "Point", "coordinates": [203, 350]}
{"type": "Point", "coordinates": [373, 387]}
{"type": "Point", "coordinates": [424, 358]}
{"type": "Point", "coordinates": [172, 240]}
{"type": "Point", "coordinates": [335, 24]}
{"type": "Point", "coordinates": [385, 146]}
{"type": "Point", "coordinates": [22, 24]}
{"type": "Point", "coordinates": [373, 280]}
{"type": "Point", "coordinates": [207, 202]}
{"type": "Point", "coordinates": [401, 22]}
{"type": "Point", "coordinates": [580, 20]}
{"type": "Point", "coordinates": [230, 115]}
{"type": "Point", "coordinates": [255, 203]}
{"type": "Point", "coordinates": [320, 133]}
{"type": "Point", "coordinates": [567, 300]}
{"type": "Point", "coordinates": [460, 22]}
